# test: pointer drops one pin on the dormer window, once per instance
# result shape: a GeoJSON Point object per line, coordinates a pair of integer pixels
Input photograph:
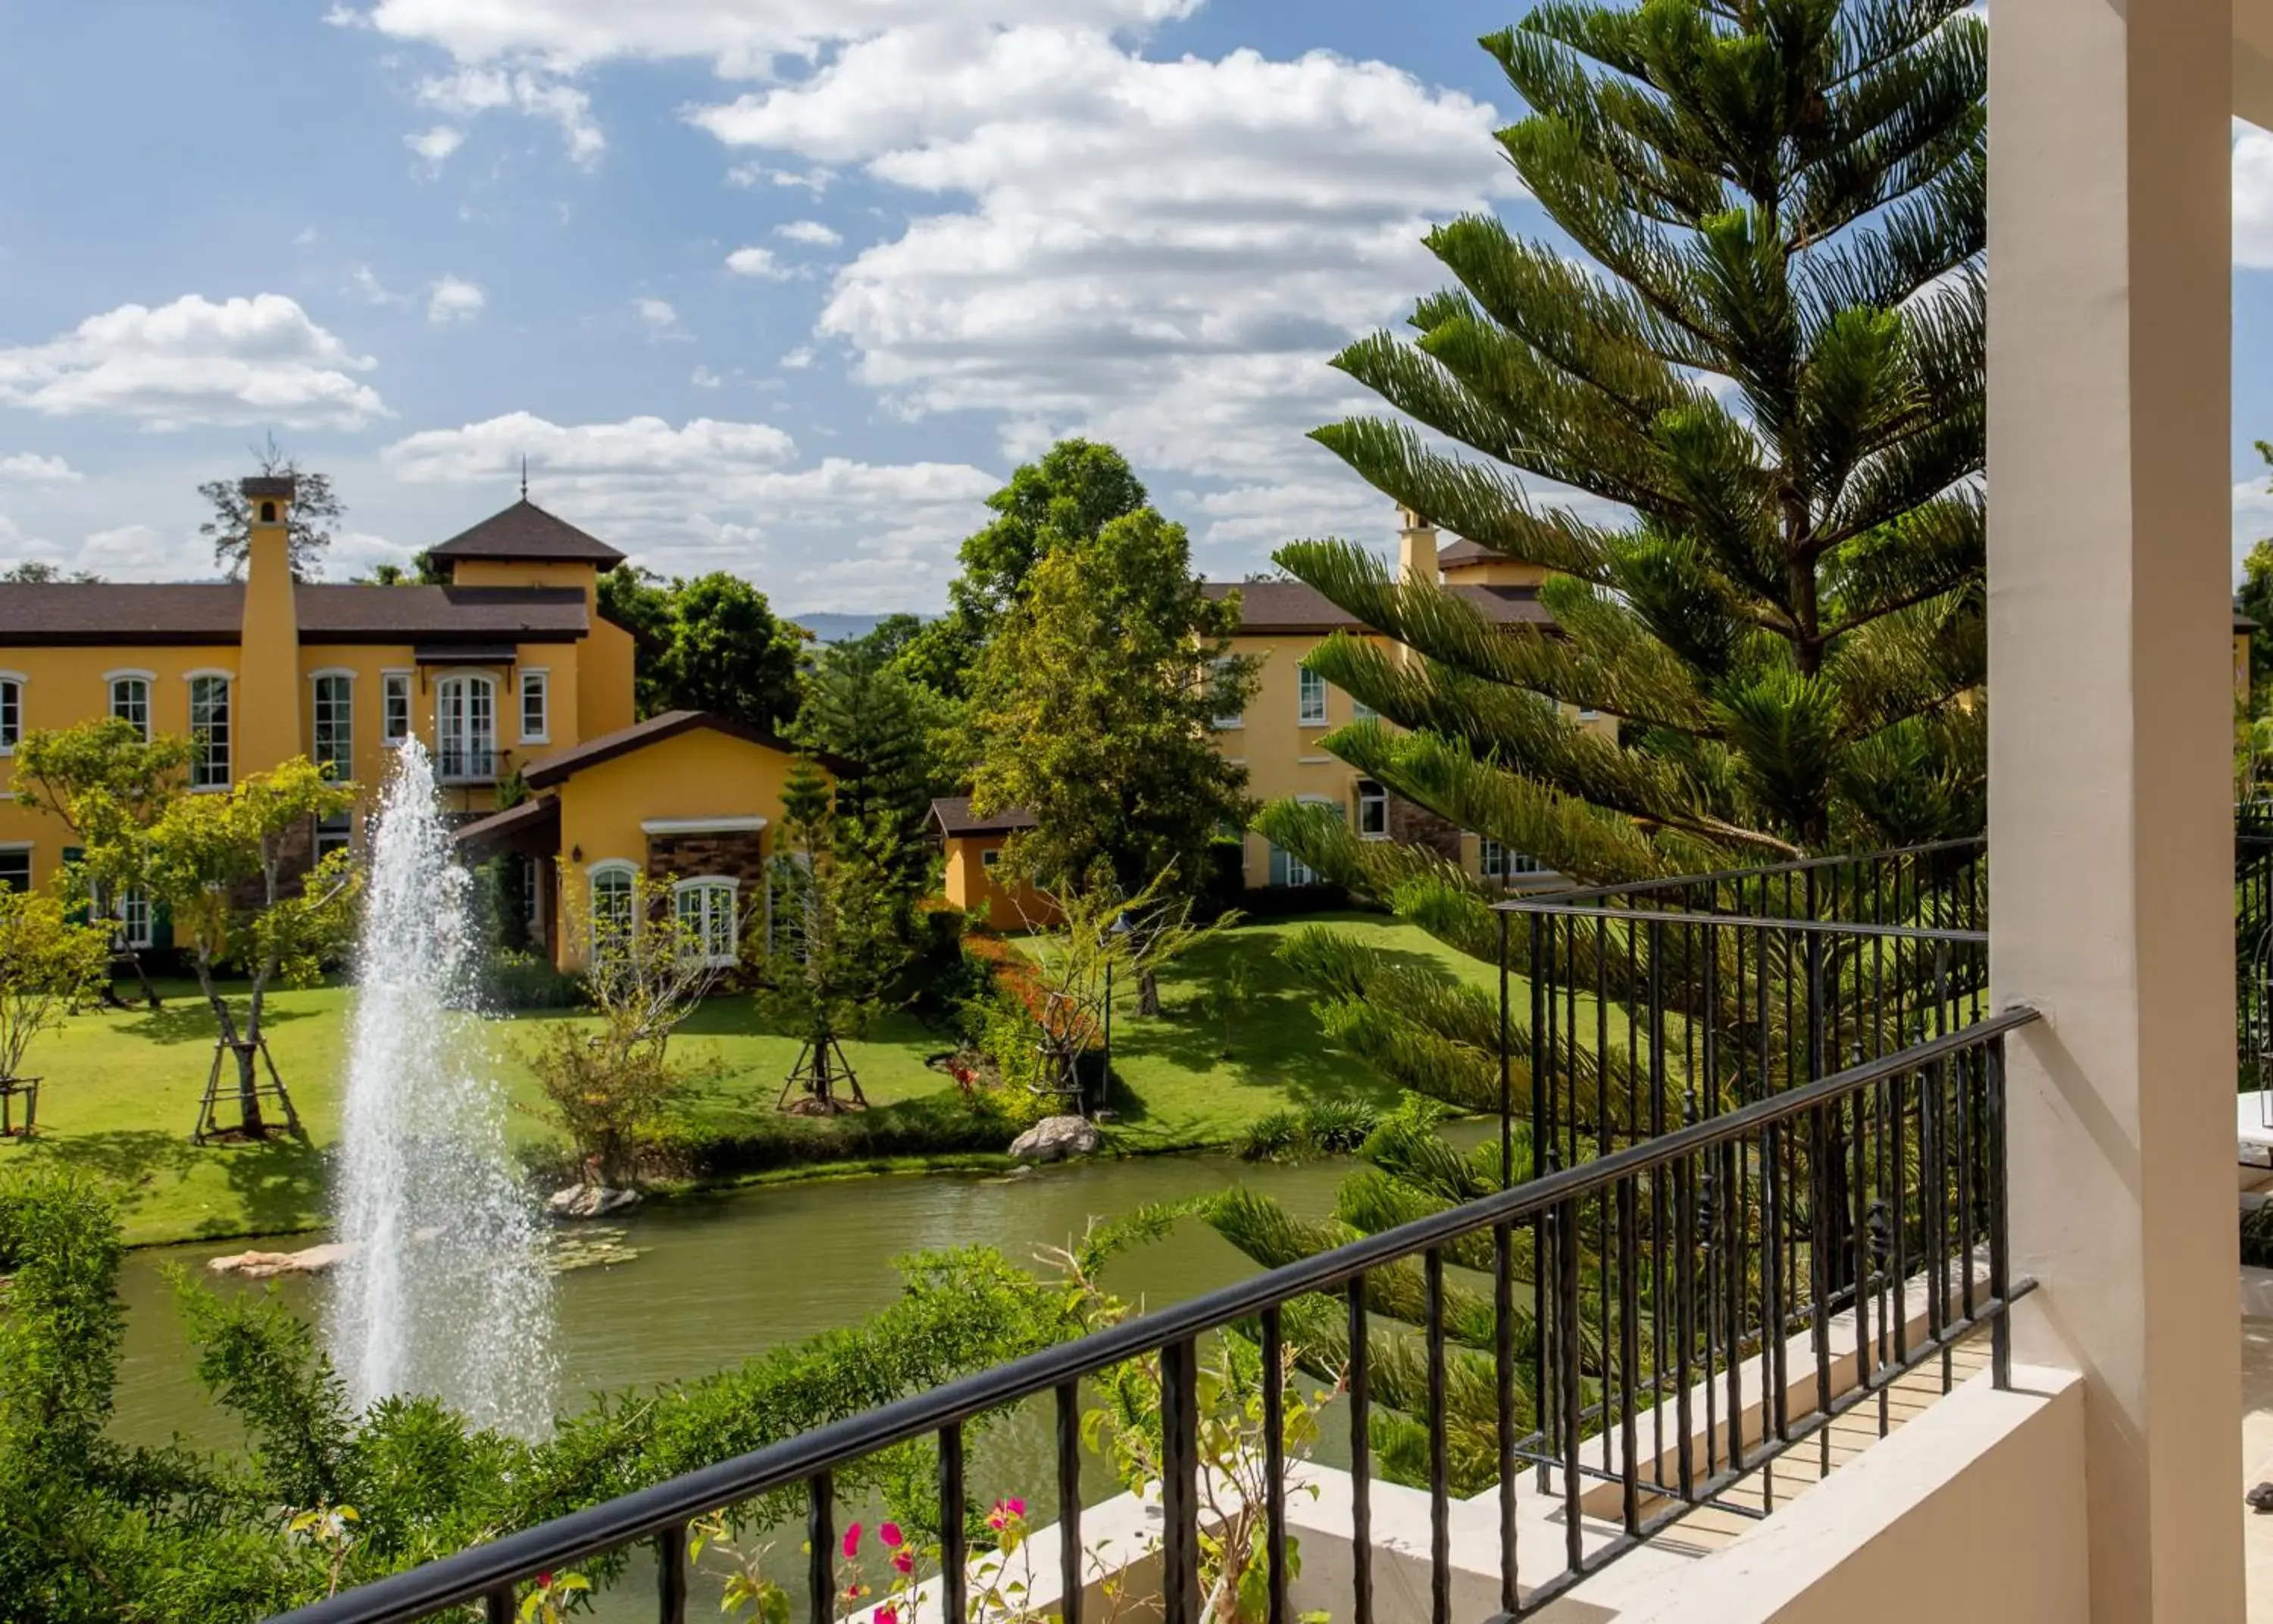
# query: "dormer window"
{"type": "Point", "coordinates": [268, 513]}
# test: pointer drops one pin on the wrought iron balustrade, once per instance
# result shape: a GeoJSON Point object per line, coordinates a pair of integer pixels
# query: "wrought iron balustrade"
{"type": "Point", "coordinates": [1675, 1343]}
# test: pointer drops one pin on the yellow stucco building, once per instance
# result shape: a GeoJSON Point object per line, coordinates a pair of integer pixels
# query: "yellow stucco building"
{"type": "Point", "coordinates": [510, 672]}
{"type": "Point", "coordinates": [1276, 737]}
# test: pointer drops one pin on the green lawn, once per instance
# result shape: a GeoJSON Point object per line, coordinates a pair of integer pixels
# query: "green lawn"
{"type": "Point", "coordinates": [1179, 1087]}
{"type": "Point", "coordinates": [121, 1087]}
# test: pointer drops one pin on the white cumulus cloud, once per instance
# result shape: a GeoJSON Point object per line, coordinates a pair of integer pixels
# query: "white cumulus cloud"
{"type": "Point", "coordinates": [1162, 253]}
{"type": "Point", "coordinates": [739, 40]}
{"type": "Point", "coordinates": [710, 494]}
{"type": "Point", "coordinates": [658, 315]}
{"type": "Point", "coordinates": [759, 262]}
{"type": "Point", "coordinates": [811, 232]}
{"type": "Point", "coordinates": [257, 362]}
{"type": "Point", "coordinates": [29, 467]}
{"type": "Point", "coordinates": [453, 298]}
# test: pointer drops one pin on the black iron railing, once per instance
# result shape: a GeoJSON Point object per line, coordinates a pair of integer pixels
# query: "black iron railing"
{"type": "Point", "coordinates": [2253, 944]}
{"type": "Point", "coordinates": [1676, 1357]}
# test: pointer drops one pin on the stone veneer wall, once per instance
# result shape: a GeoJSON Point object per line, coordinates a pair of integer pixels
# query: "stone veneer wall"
{"type": "Point", "coordinates": [737, 854]}
{"type": "Point", "coordinates": [1413, 825]}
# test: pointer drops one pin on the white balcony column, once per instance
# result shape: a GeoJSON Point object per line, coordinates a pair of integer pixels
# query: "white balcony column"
{"type": "Point", "coordinates": [2110, 705]}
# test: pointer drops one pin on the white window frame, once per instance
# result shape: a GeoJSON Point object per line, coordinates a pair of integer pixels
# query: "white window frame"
{"type": "Point", "coordinates": [543, 693]}
{"type": "Point", "coordinates": [609, 868]}
{"type": "Point", "coordinates": [12, 849]}
{"type": "Point", "coordinates": [1379, 794]}
{"type": "Point", "coordinates": [1508, 857]}
{"type": "Point", "coordinates": [111, 683]}
{"type": "Point", "coordinates": [200, 763]}
{"type": "Point", "coordinates": [708, 926]}
{"type": "Point", "coordinates": [392, 684]}
{"type": "Point", "coordinates": [1234, 719]}
{"type": "Point", "coordinates": [472, 745]}
{"type": "Point", "coordinates": [1308, 687]}
{"type": "Point", "coordinates": [138, 934]}
{"type": "Point", "coordinates": [13, 686]}
{"type": "Point", "coordinates": [316, 752]}
{"type": "Point", "coordinates": [1294, 865]}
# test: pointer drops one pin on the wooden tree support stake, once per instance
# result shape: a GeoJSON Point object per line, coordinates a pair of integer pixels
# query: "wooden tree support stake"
{"type": "Point", "coordinates": [252, 1122]}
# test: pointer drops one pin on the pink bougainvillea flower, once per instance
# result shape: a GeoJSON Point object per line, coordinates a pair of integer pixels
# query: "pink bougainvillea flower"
{"type": "Point", "coordinates": [545, 1581]}
{"type": "Point", "coordinates": [889, 1533]}
{"type": "Point", "coordinates": [885, 1614]}
{"type": "Point", "coordinates": [903, 1561]}
{"type": "Point", "coordinates": [853, 1540]}
{"type": "Point", "coordinates": [1015, 1506]}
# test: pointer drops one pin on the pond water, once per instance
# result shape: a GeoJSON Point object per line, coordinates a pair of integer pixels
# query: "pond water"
{"type": "Point", "coordinates": [719, 1280]}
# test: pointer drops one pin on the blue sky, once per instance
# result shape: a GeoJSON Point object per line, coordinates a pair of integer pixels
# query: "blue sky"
{"type": "Point", "coordinates": [782, 287]}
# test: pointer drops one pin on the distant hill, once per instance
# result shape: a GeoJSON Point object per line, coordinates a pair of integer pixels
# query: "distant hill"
{"type": "Point", "coordinates": [835, 628]}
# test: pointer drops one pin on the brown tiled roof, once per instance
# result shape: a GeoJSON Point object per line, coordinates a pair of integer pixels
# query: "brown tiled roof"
{"type": "Point", "coordinates": [528, 534]}
{"type": "Point", "coordinates": [352, 614]}
{"type": "Point", "coordinates": [954, 817]}
{"type": "Point", "coordinates": [1291, 609]}
{"type": "Point", "coordinates": [1462, 550]}
{"type": "Point", "coordinates": [549, 770]}
{"type": "Point", "coordinates": [81, 614]}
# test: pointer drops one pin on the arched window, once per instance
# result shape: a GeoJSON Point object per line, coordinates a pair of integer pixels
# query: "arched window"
{"type": "Point", "coordinates": [465, 729]}
{"type": "Point", "coordinates": [614, 896]}
{"type": "Point", "coordinates": [707, 912]}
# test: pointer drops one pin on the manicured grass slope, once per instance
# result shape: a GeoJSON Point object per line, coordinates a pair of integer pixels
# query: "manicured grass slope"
{"type": "Point", "coordinates": [121, 1087]}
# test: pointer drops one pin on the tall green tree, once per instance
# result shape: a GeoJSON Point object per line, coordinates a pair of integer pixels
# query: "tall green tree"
{"type": "Point", "coordinates": [316, 506]}
{"type": "Point", "coordinates": [713, 643]}
{"type": "Point", "coordinates": [2256, 602]}
{"type": "Point", "coordinates": [1769, 383]}
{"type": "Point", "coordinates": [1093, 708]}
{"type": "Point", "coordinates": [106, 783]}
{"type": "Point", "coordinates": [1066, 496]}
{"type": "Point", "coordinates": [836, 937]}
{"type": "Point", "coordinates": [860, 705]}
{"type": "Point", "coordinates": [1762, 372]}
{"type": "Point", "coordinates": [222, 864]}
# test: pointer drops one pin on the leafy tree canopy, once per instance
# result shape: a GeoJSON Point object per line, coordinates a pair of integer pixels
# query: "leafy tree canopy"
{"type": "Point", "coordinates": [315, 507]}
{"type": "Point", "coordinates": [861, 706]}
{"type": "Point", "coordinates": [713, 643]}
{"type": "Point", "coordinates": [40, 572]}
{"type": "Point", "coordinates": [1071, 493]}
{"type": "Point", "coordinates": [1093, 708]}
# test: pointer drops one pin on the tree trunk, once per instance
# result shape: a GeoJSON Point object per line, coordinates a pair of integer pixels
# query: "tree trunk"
{"type": "Point", "coordinates": [1148, 992]}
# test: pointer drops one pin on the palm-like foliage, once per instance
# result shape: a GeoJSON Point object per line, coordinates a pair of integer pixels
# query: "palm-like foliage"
{"type": "Point", "coordinates": [1766, 392]}
{"type": "Point", "coordinates": [1761, 410]}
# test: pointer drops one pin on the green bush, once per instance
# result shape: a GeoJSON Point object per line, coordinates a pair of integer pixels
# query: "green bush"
{"type": "Point", "coordinates": [1329, 1128]}
{"type": "Point", "coordinates": [513, 982]}
{"type": "Point", "coordinates": [942, 1124]}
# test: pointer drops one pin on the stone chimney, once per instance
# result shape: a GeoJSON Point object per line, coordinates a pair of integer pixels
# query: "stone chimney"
{"type": "Point", "coordinates": [1416, 548]}
{"type": "Point", "coordinates": [265, 700]}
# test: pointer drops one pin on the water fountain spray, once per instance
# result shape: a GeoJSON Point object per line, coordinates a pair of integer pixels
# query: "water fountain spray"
{"type": "Point", "coordinates": [444, 1292]}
